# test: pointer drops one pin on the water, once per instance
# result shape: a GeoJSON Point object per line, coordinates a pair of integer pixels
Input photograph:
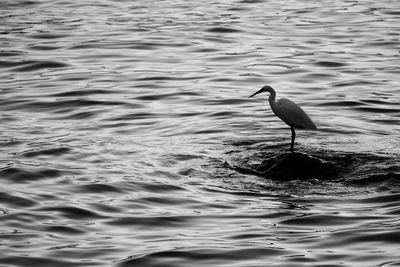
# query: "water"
{"type": "Point", "coordinates": [118, 119]}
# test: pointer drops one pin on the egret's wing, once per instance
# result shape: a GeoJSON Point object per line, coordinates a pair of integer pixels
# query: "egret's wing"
{"type": "Point", "coordinates": [293, 115]}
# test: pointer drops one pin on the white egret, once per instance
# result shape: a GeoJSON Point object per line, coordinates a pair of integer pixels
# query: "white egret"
{"type": "Point", "coordinates": [289, 112]}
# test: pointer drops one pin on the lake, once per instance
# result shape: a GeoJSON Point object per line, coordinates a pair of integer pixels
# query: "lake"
{"type": "Point", "coordinates": [120, 121]}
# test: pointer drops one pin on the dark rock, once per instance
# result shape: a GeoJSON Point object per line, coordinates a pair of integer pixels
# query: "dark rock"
{"type": "Point", "coordinates": [293, 166]}
{"type": "Point", "coordinates": [348, 167]}
{"type": "Point", "coordinates": [290, 166]}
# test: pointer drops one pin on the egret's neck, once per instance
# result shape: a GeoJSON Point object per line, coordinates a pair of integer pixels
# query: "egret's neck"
{"type": "Point", "coordinates": [271, 100]}
{"type": "Point", "coordinates": [272, 103]}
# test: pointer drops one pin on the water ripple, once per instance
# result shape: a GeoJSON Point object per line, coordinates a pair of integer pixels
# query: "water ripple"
{"type": "Point", "coordinates": [19, 175]}
{"type": "Point", "coordinates": [31, 65]}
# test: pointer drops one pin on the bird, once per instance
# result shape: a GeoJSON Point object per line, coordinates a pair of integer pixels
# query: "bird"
{"type": "Point", "coordinates": [289, 112]}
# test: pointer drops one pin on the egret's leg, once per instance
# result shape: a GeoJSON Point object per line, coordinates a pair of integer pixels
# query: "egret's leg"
{"type": "Point", "coordinates": [293, 137]}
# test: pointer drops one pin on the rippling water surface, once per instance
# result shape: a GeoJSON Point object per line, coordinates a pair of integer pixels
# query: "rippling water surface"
{"type": "Point", "coordinates": [118, 119]}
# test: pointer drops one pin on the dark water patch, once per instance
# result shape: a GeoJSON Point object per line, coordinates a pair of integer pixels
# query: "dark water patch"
{"type": "Point", "coordinates": [107, 208]}
{"type": "Point", "coordinates": [206, 50]}
{"type": "Point", "coordinates": [251, 1]}
{"type": "Point", "coordinates": [27, 261]}
{"type": "Point", "coordinates": [187, 172]}
{"type": "Point", "coordinates": [319, 76]}
{"type": "Point", "coordinates": [8, 64]}
{"type": "Point", "coordinates": [385, 233]}
{"type": "Point", "coordinates": [321, 220]}
{"type": "Point", "coordinates": [225, 101]}
{"type": "Point", "coordinates": [189, 114]}
{"type": "Point", "coordinates": [161, 188]}
{"type": "Point", "coordinates": [162, 201]}
{"type": "Point", "coordinates": [386, 121]}
{"type": "Point", "coordinates": [247, 236]}
{"type": "Point", "coordinates": [230, 57]}
{"type": "Point", "coordinates": [385, 199]}
{"type": "Point", "coordinates": [378, 43]}
{"type": "Point", "coordinates": [394, 211]}
{"type": "Point", "coordinates": [184, 157]}
{"type": "Point", "coordinates": [26, 66]}
{"type": "Point", "coordinates": [47, 152]}
{"type": "Point", "coordinates": [209, 131]}
{"type": "Point", "coordinates": [41, 65]}
{"type": "Point", "coordinates": [10, 103]}
{"type": "Point", "coordinates": [10, 54]}
{"type": "Point", "coordinates": [390, 12]}
{"type": "Point", "coordinates": [10, 143]}
{"type": "Point", "coordinates": [98, 188]}
{"type": "Point", "coordinates": [47, 36]}
{"type": "Point", "coordinates": [238, 8]}
{"type": "Point", "coordinates": [221, 29]}
{"type": "Point", "coordinates": [218, 40]}
{"type": "Point", "coordinates": [167, 78]}
{"type": "Point", "coordinates": [377, 110]}
{"type": "Point", "coordinates": [377, 178]}
{"type": "Point", "coordinates": [222, 114]}
{"type": "Point", "coordinates": [135, 116]}
{"type": "Point", "coordinates": [63, 230]}
{"type": "Point", "coordinates": [140, 45]}
{"type": "Point", "coordinates": [222, 80]}
{"type": "Point", "coordinates": [380, 102]}
{"type": "Point", "coordinates": [153, 97]}
{"type": "Point", "coordinates": [14, 31]}
{"type": "Point", "coordinates": [119, 125]}
{"type": "Point", "coordinates": [19, 3]}
{"type": "Point", "coordinates": [203, 256]}
{"type": "Point", "coordinates": [6, 119]}
{"type": "Point", "coordinates": [84, 92]}
{"type": "Point", "coordinates": [68, 104]}
{"type": "Point", "coordinates": [353, 83]}
{"type": "Point", "coordinates": [147, 222]}
{"type": "Point", "coordinates": [14, 235]}
{"type": "Point", "coordinates": [25, 219]}
{"type": "Point", "coordinates": [75, 76]}
{"type": "Point", "coordinates": [80, 115]}
{"type": "Point", "coordinates": [72, 212]}
{"type": "Point", "coordinates": [86, 45]}
{"type": "Point", "coordinates": [21, 175]}
{"type": "Point", "coordinates": [391, 236]}
{"type": "Point", "coordinates": [247, 193]}
{"type": "Point", "coordinates": [343, 103]}
{"type": "Point", "coordinates": [330, 64]}
{"type": "Point", "coordinates": [8, 199]}
{"type": "Point", "coordinates": [43, 47]}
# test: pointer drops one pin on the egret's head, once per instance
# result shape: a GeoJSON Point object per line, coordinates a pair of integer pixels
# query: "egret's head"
{"type": "Point", "coordinates": [265, 88]}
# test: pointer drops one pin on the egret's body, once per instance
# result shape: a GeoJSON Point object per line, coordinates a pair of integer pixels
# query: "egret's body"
{"type": "Point", "coordinates": [289, 112]}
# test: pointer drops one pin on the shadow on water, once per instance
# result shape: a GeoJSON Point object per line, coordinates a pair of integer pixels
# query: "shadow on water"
{"type": "Point", "coordinates": [315, 164]}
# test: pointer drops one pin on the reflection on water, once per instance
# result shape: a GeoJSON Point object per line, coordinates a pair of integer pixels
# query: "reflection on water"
{"type": "Point", "coordinates": [118, 116]}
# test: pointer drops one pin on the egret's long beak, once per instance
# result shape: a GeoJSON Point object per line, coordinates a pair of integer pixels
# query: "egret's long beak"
{"type": "Point", "coordinates": [259, 91]}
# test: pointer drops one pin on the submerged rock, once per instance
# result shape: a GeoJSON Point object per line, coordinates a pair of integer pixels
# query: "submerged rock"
{"type": "Point", "coordinates": [347, 167]}
{"type": "Point", "coordinates": [322, 165]}
{"type": "Point", "coordinates": [290, 166]}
